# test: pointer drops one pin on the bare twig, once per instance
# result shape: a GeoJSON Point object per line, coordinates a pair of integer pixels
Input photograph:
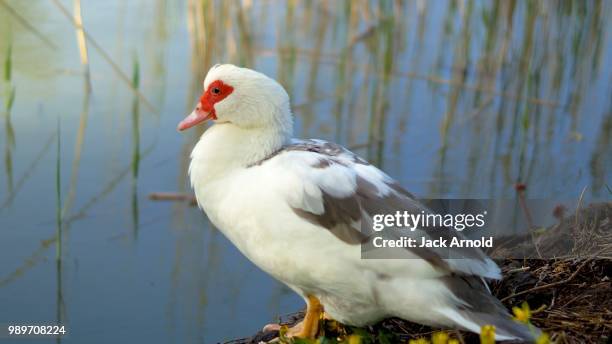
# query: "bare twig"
{"type": "Point", "coordinates": [173, 196]}
{"type": "Point", "coordinates": [521, 269]}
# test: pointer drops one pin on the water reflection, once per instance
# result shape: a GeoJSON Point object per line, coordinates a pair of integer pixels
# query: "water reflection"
{"type": "Point", "coordinates": [453, 98]}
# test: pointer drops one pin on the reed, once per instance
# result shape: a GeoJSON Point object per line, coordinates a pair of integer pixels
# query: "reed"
{"type": "Point", "coordinates": [78, 151]}
{"type": "Point", "coordinates": [60, 306]}
{"type": "Point", "coordinates": [82, 43]}
{"type": "Point", "coordinates": [58, 193]}
{"type": "Point", "coordinates": [9, 100]}
{"type": "Point", "coordinates": [135, 146]}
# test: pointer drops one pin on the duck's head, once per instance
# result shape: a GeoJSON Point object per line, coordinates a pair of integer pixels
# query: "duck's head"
{"type": "Point", "coordinates": [242, 97]}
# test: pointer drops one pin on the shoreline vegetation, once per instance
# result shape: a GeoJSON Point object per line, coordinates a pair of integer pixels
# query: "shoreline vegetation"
{"type": "Point", "coordinates": [566, 297]}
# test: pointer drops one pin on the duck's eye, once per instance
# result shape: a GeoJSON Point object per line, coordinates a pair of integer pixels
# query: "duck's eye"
{"type": "Point", "coordinates": [215, 90]}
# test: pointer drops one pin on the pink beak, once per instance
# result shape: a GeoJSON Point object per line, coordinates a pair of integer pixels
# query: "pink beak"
{"type": "Point", "coordinates": [196, 117]}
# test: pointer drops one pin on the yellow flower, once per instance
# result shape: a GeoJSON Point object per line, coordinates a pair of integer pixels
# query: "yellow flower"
{"type": "Point", "coordinates": [522, 314]}
{"type": "Point", "coordinates": [419, 341]}
{"type": "Point", "coordinates": [543, 339]}
{"type": "Point", "coordinates": [487, 334]}
{"type": "Point", "coordinates": [439, 338]}
{"type": "Point", "coordinates": [453, 341]}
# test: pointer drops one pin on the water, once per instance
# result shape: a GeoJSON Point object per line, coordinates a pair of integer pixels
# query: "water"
{"type": "Point", "coordinates": [453, 99]}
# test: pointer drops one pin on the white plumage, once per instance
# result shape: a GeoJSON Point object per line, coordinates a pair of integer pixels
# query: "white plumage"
{"type": "Point", "coordinates": [296, 208]}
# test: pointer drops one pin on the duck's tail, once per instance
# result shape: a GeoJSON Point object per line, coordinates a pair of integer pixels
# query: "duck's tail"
{"type": "Point", "coordinates": [474, 306]}
{"type": "Point", "coordinates": [506, 328]}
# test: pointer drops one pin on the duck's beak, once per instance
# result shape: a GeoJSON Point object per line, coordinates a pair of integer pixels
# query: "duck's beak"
{"type": "Point", "coordinates": [196, 117]}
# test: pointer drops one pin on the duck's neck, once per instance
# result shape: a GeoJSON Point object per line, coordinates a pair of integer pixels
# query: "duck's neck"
{"type": "Point", "coordinates": [225, 148]}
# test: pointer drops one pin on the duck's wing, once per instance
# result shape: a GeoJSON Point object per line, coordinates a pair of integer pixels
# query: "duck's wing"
{"type": "Point", "coordinates": [341, 193]}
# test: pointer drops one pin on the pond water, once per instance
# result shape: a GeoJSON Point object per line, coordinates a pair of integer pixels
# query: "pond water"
{"type": "Point", "coordinates": [454, 99]}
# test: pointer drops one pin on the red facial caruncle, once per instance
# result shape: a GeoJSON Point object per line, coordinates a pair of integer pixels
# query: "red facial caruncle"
{"type": "Point", "coordinates": [205, 110]}
{"type": "Point", "coordinates": [216, 92]}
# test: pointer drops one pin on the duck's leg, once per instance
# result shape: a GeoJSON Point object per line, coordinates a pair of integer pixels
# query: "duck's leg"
{"type": "Point", "coordinates": [310, 324]}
